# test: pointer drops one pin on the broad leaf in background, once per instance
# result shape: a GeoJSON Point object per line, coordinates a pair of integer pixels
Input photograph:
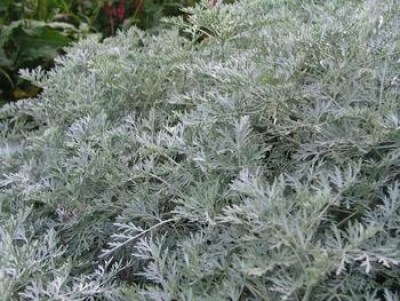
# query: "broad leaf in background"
{"type": "Point", "coordinates": [27, 43]}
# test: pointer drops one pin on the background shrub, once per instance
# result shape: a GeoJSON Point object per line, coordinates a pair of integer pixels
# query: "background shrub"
{"type": "Point", "coordinates": [260, 163]}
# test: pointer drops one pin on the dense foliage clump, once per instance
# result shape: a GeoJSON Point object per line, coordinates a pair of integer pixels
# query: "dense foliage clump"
{"type": "Point", "coordinates": [249, 153]}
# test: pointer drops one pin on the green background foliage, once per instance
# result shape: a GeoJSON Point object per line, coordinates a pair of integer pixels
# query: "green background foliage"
{"type": "Point", "coordinates": [258, 162]}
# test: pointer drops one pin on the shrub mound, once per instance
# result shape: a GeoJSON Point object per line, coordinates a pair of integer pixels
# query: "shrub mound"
{"type": "Point", "coordinates": [250, 152]}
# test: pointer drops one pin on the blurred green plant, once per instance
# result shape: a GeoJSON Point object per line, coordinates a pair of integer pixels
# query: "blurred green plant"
{"type": "Point", "coordinates": [32, 33]}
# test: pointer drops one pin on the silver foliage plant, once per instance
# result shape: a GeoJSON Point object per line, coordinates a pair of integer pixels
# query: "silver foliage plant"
{"type": "Point", "coordinates": [249, 152]}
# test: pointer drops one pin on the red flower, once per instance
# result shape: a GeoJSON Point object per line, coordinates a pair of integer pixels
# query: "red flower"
{"type": "Point", "coordinates": [112, 11]}
{"type": "Point", "coordinates": [121, 10]}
